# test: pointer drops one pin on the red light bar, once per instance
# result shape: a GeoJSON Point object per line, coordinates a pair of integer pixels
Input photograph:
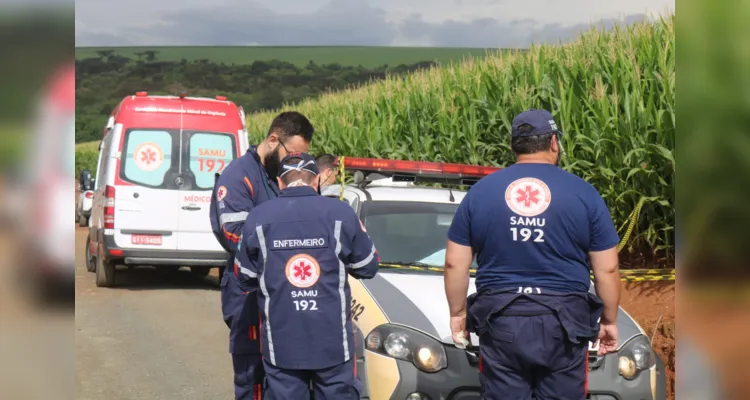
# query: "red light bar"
{"type": "Point", "coordinates": [417, 167]}
{"type": "Point", "coordinates": [141, 94]}
{"type": "Point", "coordinates": [221, 98]}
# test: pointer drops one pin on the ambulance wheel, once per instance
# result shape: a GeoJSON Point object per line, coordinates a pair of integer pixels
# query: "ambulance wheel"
{"type": "Point", "coordinates": [90, 260]}
{"type": "Point", "coordinates": [201, 272]}
{"type": "Point", "coordinates": [83, 221]}
{"type": "Point", "coordinates": [105, 272]}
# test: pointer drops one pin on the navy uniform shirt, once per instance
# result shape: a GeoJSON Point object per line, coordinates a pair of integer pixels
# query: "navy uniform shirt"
{"type": "Point", "coordinates": [301, 247]}
{"type": "Point", "coordinates": [532, 225]}
{"type": "Point", "coordinates": [243, 185]}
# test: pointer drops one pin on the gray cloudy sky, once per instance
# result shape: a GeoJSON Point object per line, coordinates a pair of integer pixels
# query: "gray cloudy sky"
{"type": "Point", "coordinates": [455, 23]}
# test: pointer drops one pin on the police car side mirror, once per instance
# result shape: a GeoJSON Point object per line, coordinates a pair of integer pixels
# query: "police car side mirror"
{"type": "Point", "coordinates": [359, 177]}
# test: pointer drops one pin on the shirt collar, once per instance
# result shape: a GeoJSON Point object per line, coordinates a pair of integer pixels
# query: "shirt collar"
{"type": "Point", "coordinates": [298, 191]}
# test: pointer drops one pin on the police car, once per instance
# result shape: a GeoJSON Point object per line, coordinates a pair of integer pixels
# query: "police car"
{"type": "Point", "coordinates": [403, 338]}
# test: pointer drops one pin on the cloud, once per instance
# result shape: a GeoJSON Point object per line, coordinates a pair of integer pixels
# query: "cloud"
{"type": "Point", "coordinates": [337, 23]}
{"type": "Point", "coordinates": [340, 22]}
{"type": "Point", "coordinates": [490, 32]}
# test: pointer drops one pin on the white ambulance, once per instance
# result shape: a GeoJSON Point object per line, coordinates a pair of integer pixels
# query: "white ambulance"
{"type": "Point", "coordinates": [154, 179]}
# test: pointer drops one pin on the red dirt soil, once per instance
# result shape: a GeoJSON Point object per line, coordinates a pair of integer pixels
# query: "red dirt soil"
{"type": "Point", "coordinates": [652, 305]}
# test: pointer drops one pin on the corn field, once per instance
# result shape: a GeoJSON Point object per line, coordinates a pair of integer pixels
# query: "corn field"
{"type": "Point", "coordinates": [612, 94]}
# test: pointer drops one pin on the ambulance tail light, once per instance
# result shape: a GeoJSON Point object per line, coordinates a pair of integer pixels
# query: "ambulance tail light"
{"type": "Point", "coordinates": [89, 195]}
{"type": "Point", "coordinates": [419, 168]}
{"type": "Point", "coordinates": [109, 207]}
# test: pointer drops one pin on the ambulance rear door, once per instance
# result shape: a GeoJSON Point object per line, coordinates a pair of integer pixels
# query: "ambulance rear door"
{"type": "Point", "coordinates": [204, 153]}
{"type": "Point", "coordinates": [147, 196]}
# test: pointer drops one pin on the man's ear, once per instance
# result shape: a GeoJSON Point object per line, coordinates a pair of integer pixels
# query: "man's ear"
{"type": "Point", "coordinates": [272, 140]}
{"type": "Point", "coordinates": [315, 183]}
{"type": "Point", "coordinates": [555, 145]}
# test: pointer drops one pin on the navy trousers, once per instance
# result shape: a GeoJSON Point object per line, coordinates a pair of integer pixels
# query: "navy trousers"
{"type": "Point", "coordinates": [525, 350]}
{"type": "Point", "coordinates": [240, 313]}
{"type": "Point", "coordinates": [335, 383]}
{"type": "Point", "coordinates": [248, 376]}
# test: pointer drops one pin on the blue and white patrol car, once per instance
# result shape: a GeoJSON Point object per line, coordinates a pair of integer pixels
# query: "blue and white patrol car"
{"type": "Point", "coordinates": [403, 338]}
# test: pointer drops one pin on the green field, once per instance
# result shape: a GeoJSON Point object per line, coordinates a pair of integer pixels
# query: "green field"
{"type": "Point", "coordinates": [88, 146]}
{"type": "Point", "coordinates": [368, 57]}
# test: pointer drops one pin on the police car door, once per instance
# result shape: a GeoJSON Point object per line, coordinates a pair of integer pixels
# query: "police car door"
{"type": "Point", "coordinates": [204, 154]}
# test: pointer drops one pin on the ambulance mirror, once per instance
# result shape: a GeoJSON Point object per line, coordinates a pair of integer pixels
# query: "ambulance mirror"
{"type": "Point", "coordinates": [85, 180]}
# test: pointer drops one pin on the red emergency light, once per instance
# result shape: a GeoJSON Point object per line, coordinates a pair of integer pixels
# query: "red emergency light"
{"type": "Point", "coordinates": [420, 168]}
{"type": "Point", "coordinates": [221, 98]}
{"type": "Point", "coordinates": [141, 94]}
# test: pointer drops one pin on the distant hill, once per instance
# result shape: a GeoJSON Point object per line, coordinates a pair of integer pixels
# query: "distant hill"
{"type": "Point", "coordinates": [368, 57]}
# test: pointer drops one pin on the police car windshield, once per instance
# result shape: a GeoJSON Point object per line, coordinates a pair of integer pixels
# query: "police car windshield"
{"type": "Point", "coordinates": [411, 233]}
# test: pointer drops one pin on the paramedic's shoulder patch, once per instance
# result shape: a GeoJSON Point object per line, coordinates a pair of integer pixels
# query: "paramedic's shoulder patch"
{"type": "Point", "coordinates": [221, 193]}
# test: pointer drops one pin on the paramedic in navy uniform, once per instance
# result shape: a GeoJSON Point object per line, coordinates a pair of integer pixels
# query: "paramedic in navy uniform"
{"type": "Point", "coordinates": [532, 227]}
{"type": "Point", "coordinates": [300, 248]}
{"type": "Point", "coordinates": [244, 184]}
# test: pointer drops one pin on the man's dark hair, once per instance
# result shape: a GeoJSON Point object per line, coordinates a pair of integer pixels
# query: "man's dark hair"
{"type": "Point", "coordinates": [325, 161]}
{"type": "Point", "coordinates": [291, 123]}
{"type": "Point", "coordinates": [291, 176]}
{"type": "Point", "coordinates": [530, 144]}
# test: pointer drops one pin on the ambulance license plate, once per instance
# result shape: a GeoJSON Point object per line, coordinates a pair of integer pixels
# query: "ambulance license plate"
{"type": "Point", "coordinates": [152, 240]}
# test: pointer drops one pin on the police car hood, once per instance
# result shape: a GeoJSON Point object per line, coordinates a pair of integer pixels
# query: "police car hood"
{"type": "Point", "coordinates": [418, 300]}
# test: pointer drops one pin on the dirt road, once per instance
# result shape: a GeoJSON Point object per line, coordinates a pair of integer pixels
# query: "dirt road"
{"type": "Point", "coordinates": [156, 335]}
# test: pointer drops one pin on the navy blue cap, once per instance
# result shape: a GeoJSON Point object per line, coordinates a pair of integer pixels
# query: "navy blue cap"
{"type": "Point", "coordinates": [540, 122]}
{"type": "Point", "coordinates": [301, 162]}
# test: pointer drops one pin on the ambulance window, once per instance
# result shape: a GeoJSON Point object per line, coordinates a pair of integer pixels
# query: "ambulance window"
{"type": "Point", "coordinates": [209, 153]}
{"type": "Point", "coordinates": [147, 156]}
{"type": "Point", "coordinates": [104, 162]}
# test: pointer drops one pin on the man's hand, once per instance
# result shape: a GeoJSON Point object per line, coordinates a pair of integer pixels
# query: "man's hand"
{"type": "Point", "coordinates": [459, 332]}
{"type": "Point", "coordinates": [607, 337]}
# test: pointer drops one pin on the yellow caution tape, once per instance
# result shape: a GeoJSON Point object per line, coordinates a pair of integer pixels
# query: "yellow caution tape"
{"type": "Point", "coordinates": [633, 278]}
{"type": "Point", "coordinates": [341, 175]}
{"type": "Point", "coordinates": [667, 271]}
{"type": "Point", "coordinates": [633, 219]}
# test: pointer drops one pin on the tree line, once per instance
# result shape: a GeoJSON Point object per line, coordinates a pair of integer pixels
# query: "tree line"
{"type": "Point", "coordinates": [102, 82]}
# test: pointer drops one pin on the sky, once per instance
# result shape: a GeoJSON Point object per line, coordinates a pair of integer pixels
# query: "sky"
{"type": "Point", "coordinates": [438, 23]}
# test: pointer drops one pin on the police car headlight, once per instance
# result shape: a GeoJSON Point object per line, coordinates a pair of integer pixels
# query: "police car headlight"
{"type": "Point", "coordinates": [425, 352]}
{"type": "Point", "coordinates": [636, 356]}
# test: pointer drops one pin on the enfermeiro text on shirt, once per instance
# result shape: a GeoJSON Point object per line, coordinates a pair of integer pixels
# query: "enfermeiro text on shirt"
{"type": "Point", "coordinates": [305, 243]}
